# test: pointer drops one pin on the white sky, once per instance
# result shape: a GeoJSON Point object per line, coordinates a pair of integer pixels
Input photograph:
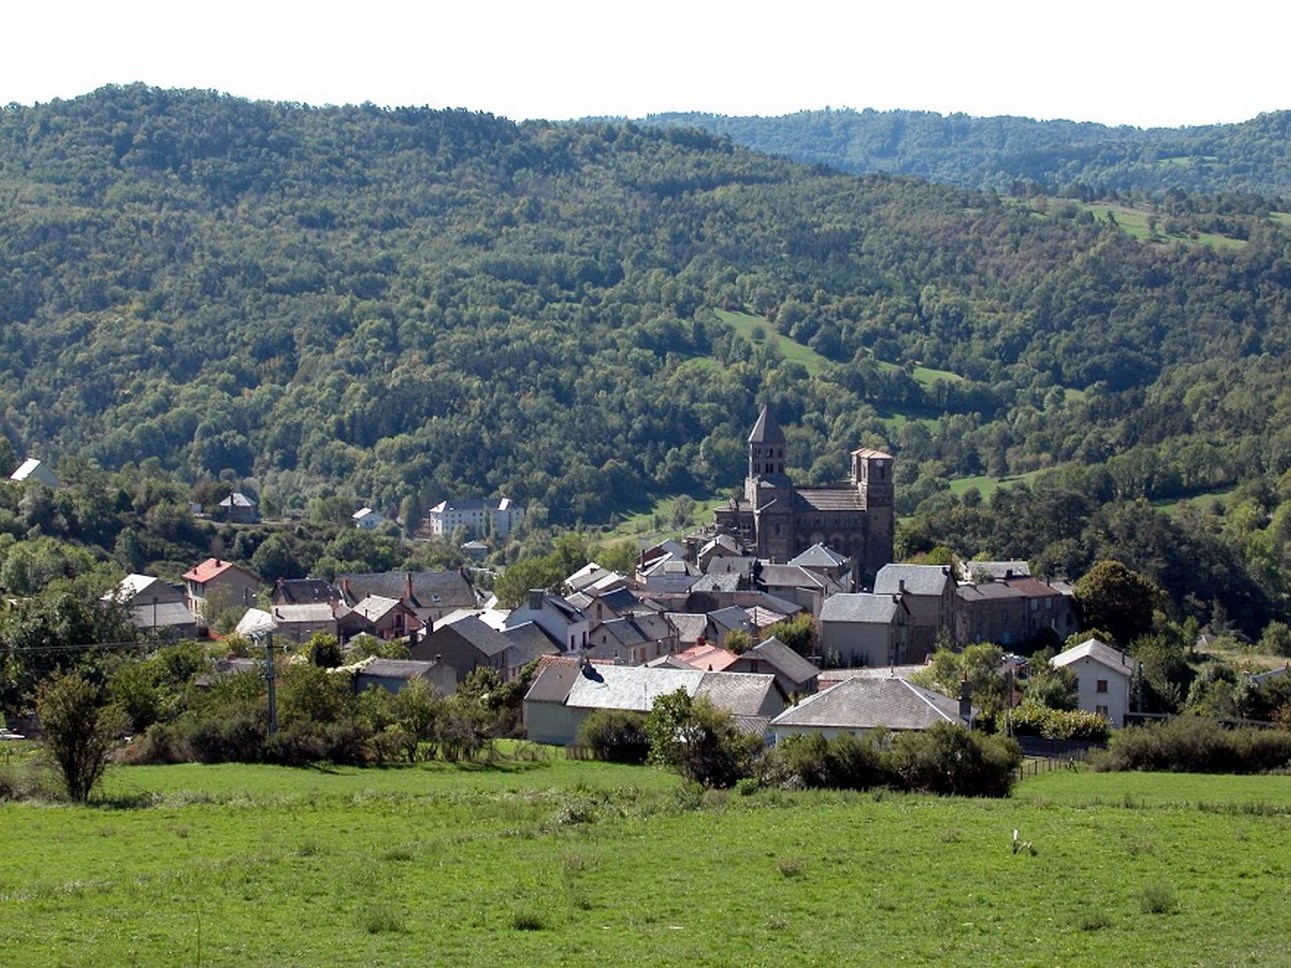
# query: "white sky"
{"type": "Point", "coordinates": [1140, 62]}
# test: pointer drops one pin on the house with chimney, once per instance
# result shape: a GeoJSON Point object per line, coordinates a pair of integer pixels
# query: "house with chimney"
{"type": "Point", "coordinates": [216, 578]}
{"type": "Point", "coordinates": [567, 624]}
{"type": "Point", "coordinates": [429, 594]}
{"type": "Point", "coordinates": [927, 593]}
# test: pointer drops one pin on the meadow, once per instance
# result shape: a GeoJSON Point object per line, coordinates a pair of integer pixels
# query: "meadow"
{"type": "Point", "coordinates": [573, 863]}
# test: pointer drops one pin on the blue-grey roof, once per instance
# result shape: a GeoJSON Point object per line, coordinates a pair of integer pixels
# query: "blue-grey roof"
{"type": "Point", "coordinates": [819, 556]}
{"type": "Point", "coordinates": [919, 579]}
{"type": "Point", "coordinates": [870, 703]}
{"type": "Point", "coordinates": [860, 607]}
{"type": "Point", "coordinates": [628, 687]}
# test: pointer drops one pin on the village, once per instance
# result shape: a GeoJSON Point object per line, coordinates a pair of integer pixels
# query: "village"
{"type": "Point", "coordinates": [786, 611]}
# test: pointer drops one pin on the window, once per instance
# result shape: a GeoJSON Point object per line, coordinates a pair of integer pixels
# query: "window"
{"type": "Point", "coordinates": [1100, 685]}
{"type": "Point", "coordinates": [1102, 711]}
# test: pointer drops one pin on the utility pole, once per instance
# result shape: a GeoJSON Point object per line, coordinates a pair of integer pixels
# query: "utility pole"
{"type": "Point", "coordinates": [269, 675]}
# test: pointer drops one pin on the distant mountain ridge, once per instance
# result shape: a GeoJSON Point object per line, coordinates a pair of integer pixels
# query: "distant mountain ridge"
{"type": "Point", "coordinates": [1005, 153]}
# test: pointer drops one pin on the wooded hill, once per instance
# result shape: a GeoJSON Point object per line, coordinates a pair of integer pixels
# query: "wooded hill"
{"type": "Point", "coordinates": [413, 304]}
{"type": "Point", "coordinates": [1015, 155]}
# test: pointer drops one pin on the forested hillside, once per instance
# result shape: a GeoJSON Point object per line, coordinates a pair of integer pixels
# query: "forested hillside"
{"type": "Point", "coordinates": [1011, 155]}
{"type": "Point", "coordinates": [420, 303]}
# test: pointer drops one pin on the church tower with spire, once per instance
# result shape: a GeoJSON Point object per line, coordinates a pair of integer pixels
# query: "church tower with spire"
{"type": "Point", "coordinates": [777, 521]}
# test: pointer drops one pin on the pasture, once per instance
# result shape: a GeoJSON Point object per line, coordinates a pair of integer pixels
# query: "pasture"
{"type": "Point", "coordinates": [574, 863]}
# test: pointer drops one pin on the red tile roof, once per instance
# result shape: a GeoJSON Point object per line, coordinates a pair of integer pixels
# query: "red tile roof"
{"type": "Point", "coordinates": [207, 570]}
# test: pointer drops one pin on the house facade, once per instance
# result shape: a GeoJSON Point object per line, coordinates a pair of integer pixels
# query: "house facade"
{"type": "Point", "coordinates": [216, 578]}
{"type": "Point", "coordinates": [1104, 679]}
{"type": "Point", "coordinates": [476, 516]}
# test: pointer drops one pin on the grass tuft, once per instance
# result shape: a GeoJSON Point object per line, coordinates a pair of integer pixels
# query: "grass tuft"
{"type": "Point", "coordinates": [790, 866]}
{"type": "Point", "coordinates": [1157, 899]}
{"type": "Point", "coordinates": [383, 919]}
{"type": "Point", "coordinates": [527, 921]}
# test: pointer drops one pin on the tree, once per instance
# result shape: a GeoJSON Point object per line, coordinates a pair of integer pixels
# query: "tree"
{"type": "Point", "coordinates": [1118, 599]}
{"type": "Point", "coordinates": [699, 740]}
{"type": "Point", "coordinates": [79, 726]}
{"type": "Point", "coordinates": [979, 665]}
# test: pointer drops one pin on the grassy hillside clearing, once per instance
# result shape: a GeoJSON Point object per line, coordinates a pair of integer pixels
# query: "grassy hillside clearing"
{"type": "Point", "coordinates": [574, 863]}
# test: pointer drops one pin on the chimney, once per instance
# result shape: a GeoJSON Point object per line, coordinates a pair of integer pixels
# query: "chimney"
{"type": "Point", "coordinates": [900, 586]}
{"type": "Point", "coordinates": [966, 703]}
{"type": "Point", "coordinates": [407, 585]}
{"type": "Point", "coordinates": [535, 599]}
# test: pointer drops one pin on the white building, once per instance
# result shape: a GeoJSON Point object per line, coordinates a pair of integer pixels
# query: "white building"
{"type": "Point", "coordinates": [365, 519]}
{"type": "Point", "coordinates": [497, 516]}
{"type": "Point", "coordinates": [1103, 678]}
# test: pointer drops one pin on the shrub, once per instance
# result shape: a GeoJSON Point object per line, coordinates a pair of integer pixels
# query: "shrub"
{"type": "Point", "coordinates": [1033, 719]}
{"type": "Point", "coordinates": [844, 763]}
{"type": "Point", "coordinates": [79, 727]}
{"type": "Point", "coordinates": [616, 735]}
{"type": "Point", "coordinates": [1191, 744]}
{"type": "Point", "coordinates": [700, 741]}
{"type": "Point", "coordinates": [235, 739]}
{"type": "Point", "coordinates": [296, 744]}
{"type": "Point", "coordinates": [949, 759]}
{"type": "Point", "coordinates": [162, 743]}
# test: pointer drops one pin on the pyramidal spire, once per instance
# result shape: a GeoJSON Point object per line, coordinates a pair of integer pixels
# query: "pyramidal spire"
{"type": "Point", "coordinates": [766, 430]}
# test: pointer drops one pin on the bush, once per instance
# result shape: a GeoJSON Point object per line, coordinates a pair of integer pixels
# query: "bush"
{"type": "Point", "coordinates": [1191, 744]}
{"type": "Point", "coordinates": [79, 727]}
{"type": "Point", "coordinates": [1033, 719]}
{"type": "Point", "coordinates": [616, 735]}
{"type": "Point", "coordinates": [844, 763]}
{"type": "Point", "coordinates": [235, 739]}
{"type": "Point", "coordinates": [949, 759]}
{"type": "Point", "coordinates": [162, 743]}
{"type": "Point", "coordinates": [700, 741]}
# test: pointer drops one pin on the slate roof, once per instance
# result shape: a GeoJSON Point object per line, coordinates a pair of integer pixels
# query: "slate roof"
{"type": "Point", "coordinates": [308, 612]}
{"type": "Point", "coordinates": [430, 589]}
{"type": "Point", "coordinates": [375, 607]}
{"type": "Point", "coordinates": [871, 702]}
{"type": "Point", "coordinates": [999, 570]}
{"type": "Point", "coordinates": [301, 591]}
{"type": "Point", "coordinates": [1114, 659]}
{"type": "Point", "coordinates": [132, 586]}
{"type": "Point", "coordinates": [237, 500]}
{"type": "Point", "coordinates": [766, 430]}
{"type": "Point", "coordinates": [690, 626]}
{"type": "Point", "coordinates": [790, 576]}
{"type": "Point", "coordinates": [34, 470]}
{"type": "Point", "coordinates": [628, 687]}
{"type": "Point", "coordinates": [489, 641]}
{"type": "Point", "coordinates": [919, 579]}
{"type": "Point", "coordinates": [553, 682]}
{"type": "Point", "coordinates": [843, 497]}
{"type": "Point", "coordinates": [718, 582]}
{"type": "Point", "coordinates": [528, 641]}
{"type": "Point", "coordinates": [161, 616]}
{"type": "Point", "coordinates": [731, 565]}
{"type": "Point", "coordinates": [742, 693]}
{"type": "Point", "coordinates": [407, 669]}
{"type": "Point", "coordinates": [859, 607]}
{"type": "Point", "coordinates": [731, 617]}
{"type": "Point", "coordinates": [819, 556]}
{"type": "Point", "coordinates": [779, 656]}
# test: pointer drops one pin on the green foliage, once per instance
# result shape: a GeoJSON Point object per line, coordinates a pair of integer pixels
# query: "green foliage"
{"type": "Point", "coordinates": [324, 650]}
{"type": "Point", "coordinates": [616, 735]}
{"type": "Point", "coordinates": [799, 633]}
{"type": "Point", "coordinates": [1032, 718]}
{"type": "Point", "coordinates": [699, 741]}
{"type": "Point", "coordinates": [949, 759]}
{"type": "Point", "coordinates": [980, 665]}
{"type": "Point", "coordinates": [1114, 597]}
{"type": "Point", "coordinates": [79, 727]}
{"type": "Point", "coordinates": [843, 763]}
{"type": "Point", "coordinates": [1191, 744]}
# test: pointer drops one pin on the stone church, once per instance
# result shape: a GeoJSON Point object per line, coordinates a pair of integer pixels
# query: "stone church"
{"type": "Point", "coordinates": [779, 521]}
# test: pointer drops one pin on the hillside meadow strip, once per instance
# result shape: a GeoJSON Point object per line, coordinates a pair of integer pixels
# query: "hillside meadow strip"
{"type": "Point", "coordinates": [589, 864]}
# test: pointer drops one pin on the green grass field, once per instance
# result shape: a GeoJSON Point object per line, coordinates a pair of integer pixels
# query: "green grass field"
{"type": "Point", "coordinates": [568, 863]}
